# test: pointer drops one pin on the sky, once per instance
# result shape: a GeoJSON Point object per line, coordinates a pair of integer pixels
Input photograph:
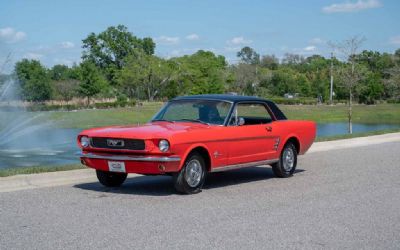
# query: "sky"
{"type": "Point", "coordinates": [52, 31]}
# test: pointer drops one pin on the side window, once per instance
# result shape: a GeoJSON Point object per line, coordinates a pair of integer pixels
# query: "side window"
{"type": "Point", "coordinates": [250, 114]}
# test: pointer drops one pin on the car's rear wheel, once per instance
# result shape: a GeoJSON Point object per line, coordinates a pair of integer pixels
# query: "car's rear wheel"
{"type": "Point", "coordinates": [287, 163]}
{"type": "Point", "coordinates": [190, 179]}
{"type": "Point", "coordinates": [111, 179]}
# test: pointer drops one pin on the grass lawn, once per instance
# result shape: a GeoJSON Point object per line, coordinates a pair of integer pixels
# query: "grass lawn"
{"type": "Point", "coordinates": [38, 169]}
{"type": "Point", "coordinates": [383, 113]}
{"type": "Point", "coordinates": [104, 117]}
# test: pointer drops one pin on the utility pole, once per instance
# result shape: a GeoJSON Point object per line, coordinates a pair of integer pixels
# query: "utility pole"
{"type": "Point", "coordinates": [331, 71]}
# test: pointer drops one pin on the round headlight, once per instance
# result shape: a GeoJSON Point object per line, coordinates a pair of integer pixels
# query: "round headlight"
{"type": "Point", "coordinates": [163, 145]}
{"type": "Point", "coordinates": [85, 141]}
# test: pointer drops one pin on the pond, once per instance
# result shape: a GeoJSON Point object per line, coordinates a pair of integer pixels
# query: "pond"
{"type": "Point", "coordinates": [56, 146]}
{"type": "Point", "coordinates": [341, 128]}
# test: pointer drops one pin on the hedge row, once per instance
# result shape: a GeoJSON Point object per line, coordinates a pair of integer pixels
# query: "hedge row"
{"type": "Point", "coordinates": [68, 107]}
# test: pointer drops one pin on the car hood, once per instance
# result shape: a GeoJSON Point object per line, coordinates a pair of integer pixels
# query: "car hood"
{"type": "Point", "coordinates": [147, 131]}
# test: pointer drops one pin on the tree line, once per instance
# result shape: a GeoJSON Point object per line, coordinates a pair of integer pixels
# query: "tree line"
{"type": "Point", "coordinates": [115, 63]}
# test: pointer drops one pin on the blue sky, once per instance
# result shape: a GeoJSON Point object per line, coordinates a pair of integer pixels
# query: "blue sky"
{"type": "Point", "coordinates": [52, 31]}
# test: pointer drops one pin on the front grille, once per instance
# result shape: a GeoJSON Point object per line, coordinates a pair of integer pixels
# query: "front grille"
{"type": "Point", "coordinates": [117, 143]}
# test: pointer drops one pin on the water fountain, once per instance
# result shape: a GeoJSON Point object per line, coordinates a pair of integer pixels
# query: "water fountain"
{"type": "Point", "coordinates": [31, 138]}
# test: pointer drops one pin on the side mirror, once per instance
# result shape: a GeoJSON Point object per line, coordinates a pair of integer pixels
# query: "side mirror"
{"type": "Point", "coordinates": [240, 121]}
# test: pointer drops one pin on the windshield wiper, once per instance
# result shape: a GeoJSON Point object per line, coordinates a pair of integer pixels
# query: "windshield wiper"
{"type": "Point", "coordinates": [162, 120]}
{"type": "Point", "coordinates": [194, 120]}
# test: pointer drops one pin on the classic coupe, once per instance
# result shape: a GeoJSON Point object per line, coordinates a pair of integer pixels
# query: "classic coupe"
{"type": "Point", "coordinates": [192, 136]}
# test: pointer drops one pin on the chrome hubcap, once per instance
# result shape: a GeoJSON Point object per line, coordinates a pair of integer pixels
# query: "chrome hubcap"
{"type": "Point", "coordinates": [288, 159]}
{"type": "Point", "coordinates": [193, 173]}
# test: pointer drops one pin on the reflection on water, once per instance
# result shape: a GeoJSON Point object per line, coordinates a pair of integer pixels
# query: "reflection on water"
{"type": "Point", "coordinates": [44, 147]}
{"type": "Point", "coordinates": [341, 128]}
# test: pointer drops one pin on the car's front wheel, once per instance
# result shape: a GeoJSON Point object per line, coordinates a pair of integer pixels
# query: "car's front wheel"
{"type": "Point", "coordinates": [286, 165]}
{"type": "Point", "coordinates": [190, 178]}
{"type": "Point", "coordinates": [111, 179]}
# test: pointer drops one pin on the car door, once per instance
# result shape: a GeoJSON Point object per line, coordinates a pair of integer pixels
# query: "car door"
{"type": "Point", "coordinates": [255, 139]}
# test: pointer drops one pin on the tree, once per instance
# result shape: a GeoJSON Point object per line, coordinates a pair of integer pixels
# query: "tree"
{"type": "Point", "coordinates": [248, 55]}
{"type": "Point", "coordinates": [34, 80]}
{"type": "Point", "coordinates": [351, 73]}
{"type": "Point", "coordinates": [66, 89]}
{"type": "Point", "coordinates": [109, 49]}
{"type": "Point", "coordinates": [370, 88]}
{"type": "Point", "coordinates": [292, 59]}
{"type": "Point", "coordinates": [59, 72]}
{"type": "Point", "coordinates": [92, 81]}
{"type": "Point", "coordinates": [145, 72]}
{"type": "Point", "coordinates": [201, 73]}
{"type": "Point", "coordinates": [270, 62]}
{"type": "Point", "coordinates": [392, 85]}
{"type": "Point", "coordinates": [246, 79]}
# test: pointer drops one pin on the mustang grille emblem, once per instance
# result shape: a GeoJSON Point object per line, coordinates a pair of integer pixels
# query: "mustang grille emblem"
{"type": "Point", "coordinates": [115, 143]}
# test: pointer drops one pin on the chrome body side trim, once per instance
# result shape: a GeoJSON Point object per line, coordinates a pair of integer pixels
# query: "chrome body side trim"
{"type": "Point", "coordinates": [129, 157]}
{"type": "Point", "coordinates": [244, 165]}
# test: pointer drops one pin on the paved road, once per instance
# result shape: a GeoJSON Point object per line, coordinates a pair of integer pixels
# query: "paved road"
{"type": "Point", "coordinates": [348, 198]}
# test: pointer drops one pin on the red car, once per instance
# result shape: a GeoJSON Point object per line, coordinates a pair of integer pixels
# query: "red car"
{"type": "Point", "coordinates": [194, 135]}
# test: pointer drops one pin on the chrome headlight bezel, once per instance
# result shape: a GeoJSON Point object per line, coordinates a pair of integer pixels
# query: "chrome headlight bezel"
{"type": "Point", "coordinates": [85, 141]}
{"type": "Point", "coordinates": [163, 145]}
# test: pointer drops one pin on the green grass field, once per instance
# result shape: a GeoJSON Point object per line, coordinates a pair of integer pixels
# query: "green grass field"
{"type": "Point", "coordinates": [383, 113]}
{"type": "Point", "coordinates": [373, 114]}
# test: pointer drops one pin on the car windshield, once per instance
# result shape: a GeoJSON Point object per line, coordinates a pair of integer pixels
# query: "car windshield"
{"type": "Point", "coordinates": [199, 111]}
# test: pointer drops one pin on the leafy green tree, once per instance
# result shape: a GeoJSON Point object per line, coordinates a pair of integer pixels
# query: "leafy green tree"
{"type": "Point", "coordinates": [34, 80]}
{"type": "Point", "coordinates": [92, 81]}
{"type": "Point", "coordinates": [201, 73]}
{"type": "Point", "coordinates": [375, 61]}
{"type": "Point", "coordinates": [145, 73]}
{"type": "Point", "coordinates": [392, 84]}
{"type": "Point", "coordinates": [59, 72]}
{"type": "Point", "coordinates": [109, 49]}
{"type": "Point", "coordinates": [248, 55]}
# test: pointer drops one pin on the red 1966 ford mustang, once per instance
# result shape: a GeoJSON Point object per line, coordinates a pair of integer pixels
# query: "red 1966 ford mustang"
{"type": "Point", "coordinates": [193, 135]}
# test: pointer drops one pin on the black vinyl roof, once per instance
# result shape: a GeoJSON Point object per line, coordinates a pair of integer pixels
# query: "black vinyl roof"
{"type": "Point", "coordinates": [222, 97]}
{"type": "Point", "coordinates": [236, 98]}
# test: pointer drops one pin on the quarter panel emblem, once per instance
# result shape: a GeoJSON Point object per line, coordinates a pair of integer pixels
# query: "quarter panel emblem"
{"type": "Point", "coordinates": [216, 154]}
{"type": "Point", "coordinates": [115, 143]}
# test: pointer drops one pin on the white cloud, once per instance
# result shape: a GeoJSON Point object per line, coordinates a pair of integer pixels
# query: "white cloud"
{"type": "Point", "coordinates": [239, 41]}
{"type": "Point", "coordinates": [352, 6]}
{"type": "Point", "coordinates": [67, 45]}
{"type": "Point", "coordinates": [310, 48]}
{"type": "Point", "coordinates": [192, 37]}
{"type": "Point", "coordinates": [66, 62]}
{"type": "Point", "coordinates": [34, 56]}
{"type": "Point", "coordinates": [167, 40]}
{"type": "Point", "coordinates": [395, 40]}
{"type": "Point", "coordinates": [10, 35]}
{"type": "Point", "coordinates": [232, 49]}
{"type": "Point", "coordinates": [317, 40]}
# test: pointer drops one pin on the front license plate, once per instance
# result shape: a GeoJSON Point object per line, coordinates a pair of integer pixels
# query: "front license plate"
{"type": "Point", "coordinates": [116, 166]}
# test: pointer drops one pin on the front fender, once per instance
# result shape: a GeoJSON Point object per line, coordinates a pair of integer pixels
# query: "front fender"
{"type": "Point", "coordinates": [189, 149]}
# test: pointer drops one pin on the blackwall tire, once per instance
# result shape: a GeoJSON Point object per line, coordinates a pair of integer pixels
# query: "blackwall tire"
{"type": "Point", "coordinates": [190, 179]}
{"type": "Point", "coordinates": [111, 179]}
{"type": "Point", "coordinates": [287, 163]}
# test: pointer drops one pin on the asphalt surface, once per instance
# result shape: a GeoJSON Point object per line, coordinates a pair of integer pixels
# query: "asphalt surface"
{"type": "Point", "coordinates": [338, 199]}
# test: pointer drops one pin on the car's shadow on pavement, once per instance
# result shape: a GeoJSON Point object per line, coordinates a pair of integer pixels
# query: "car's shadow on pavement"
{"type": "Point", "coordinates": [163, 185]}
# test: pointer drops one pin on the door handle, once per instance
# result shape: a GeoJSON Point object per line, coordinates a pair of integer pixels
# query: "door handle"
{"type": "Point", "coordinates": [268, 128]}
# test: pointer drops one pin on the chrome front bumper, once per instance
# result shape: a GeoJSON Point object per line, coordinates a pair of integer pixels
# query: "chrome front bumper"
{"type": "Point", "coordinates": [128, 157]}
